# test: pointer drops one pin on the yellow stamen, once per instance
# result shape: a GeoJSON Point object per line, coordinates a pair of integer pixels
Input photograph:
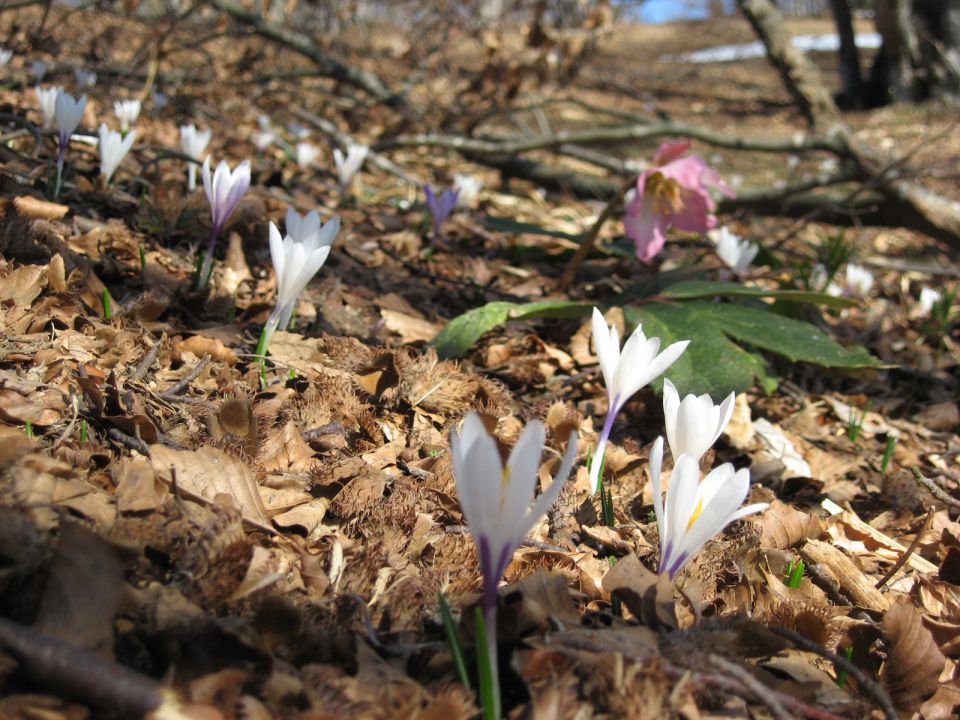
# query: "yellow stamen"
{"type": "Point", "coordinates": [696, 513]}
{"type": "Point", "coordinates": [504, 482]}
{"type": "Point", "coordinates": [665, 193]}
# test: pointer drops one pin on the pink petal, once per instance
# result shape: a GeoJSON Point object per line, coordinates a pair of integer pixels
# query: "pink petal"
{"type": "Point", "coordinates": [647, 229]}
{"type": "Point", "coordinates": [670, 151]}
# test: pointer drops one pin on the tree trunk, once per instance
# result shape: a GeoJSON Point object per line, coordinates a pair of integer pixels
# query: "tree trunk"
{"type": "Point", "coordinates": [852, 93]}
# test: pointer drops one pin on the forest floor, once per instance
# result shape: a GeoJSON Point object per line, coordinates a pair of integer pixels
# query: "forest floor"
{"type": "Point", "coordinates": [273, 545]}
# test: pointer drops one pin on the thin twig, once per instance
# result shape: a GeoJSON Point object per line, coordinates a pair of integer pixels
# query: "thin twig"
{"type": "Point", "coordinates": [145, 363]}
{"type": "Point", "coordinates": [131, 442]}
{"type": "Point", "coordinates": [875, 689]}
{"type": "Point", "coordinates": [586, 245]}
{"type": "Point", "coordinates": [938, 492]}
{"type": "Point", "coordinates": [188, 378]}
{"type": "Point", "coordinates": [909, 551]}
{"type": "Point", "coordinates": [763, 693]}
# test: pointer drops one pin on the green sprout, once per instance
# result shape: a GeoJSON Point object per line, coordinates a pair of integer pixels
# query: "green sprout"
{"type": "Point", "coordinates": [795, 571]}
{"type": "Point", "coordinates": [888, 453]}
{"type": "Point", "coordinates": [107, 309]}
{"type": "Point", "coordinates": [28, 429]}
{"type": "Point", "coordinates": [84, 432]}
{"type": "Point", "coordinates": [855, 424]}
{"type": "Point", "coordinates": [833, 253]}
{"type": "Point", "coordinates": [143, 259]}
{"type": "Point", "coordinates": [841, 673]}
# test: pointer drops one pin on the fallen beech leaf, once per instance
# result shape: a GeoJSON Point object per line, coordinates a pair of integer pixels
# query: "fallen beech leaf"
{"type": "Point", "coordinates": [22, 286]}
{"type": "Point", "coordinates": [648, 595]}
{"type": "Point", "coordinates": [201, 345]}
{"type": "Point", "coordinates": [914, 662]}
{"type": "Point", "coordinates": [137, 486]}
{"type": "Point", "coordinates": [845, 572]}
{"type": "Point", "coordinates": [38, 209]}
{"type": "Point", "coordinates": [409, 328]}
{"type": "Point", "coordinates": [378, 375]}
{"type": "Point", "coordinates": [783, 526]}
{"type": "Point", "coordinates": [208, 472]}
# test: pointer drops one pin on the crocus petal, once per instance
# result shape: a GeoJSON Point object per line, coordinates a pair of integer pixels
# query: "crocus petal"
{"type": "Point", "coordinates": [550, 495]}
{"type": "Point", "coordinates": [606, 343]}
{"type": "Point", "coordinates": [656, 463]}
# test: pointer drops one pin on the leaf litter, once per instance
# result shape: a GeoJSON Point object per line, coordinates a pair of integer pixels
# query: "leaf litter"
{"type": "Point", "coordinates": [233, 548]}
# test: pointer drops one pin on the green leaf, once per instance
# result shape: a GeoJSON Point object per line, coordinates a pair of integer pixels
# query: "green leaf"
{"type": "Point", "coordinates": [501, 224]}
{"type": "Point", "coordinates": [715, 364]}
{"type": "Point", "coordinates": [464, 330]}
{"type": "Point", "coordinates": [693, 289]}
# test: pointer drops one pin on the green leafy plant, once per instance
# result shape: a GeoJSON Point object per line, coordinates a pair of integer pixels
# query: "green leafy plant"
{"type": "Point", "coordinates": [727, 336]}
{"type": "Point", "coordinates": [107, 309]}
{"type": "Point", "coordinates": [855, 423]}
{"type": "Point", "coordinates": [841, 673]}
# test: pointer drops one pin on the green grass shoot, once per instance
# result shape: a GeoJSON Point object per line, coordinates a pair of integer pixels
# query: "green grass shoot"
{"type": "Point", "coordinates": [28, 429]}
{"type": "Point", "coordinates": [795, 571]}
{"type": "Point", "coordinates": [453, 640]}
{"type": "Point", "coordinates": [84, 431]}
{"type": "Point", "coordinates": [107, 309]}
{"type": "Point", "coordinates": [888, 453]}
{"type": "Point", "coordinates": [842, 674]}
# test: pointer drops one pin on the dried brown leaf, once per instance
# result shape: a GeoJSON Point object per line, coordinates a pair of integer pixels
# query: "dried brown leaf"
{"type": "Point", "coordinates": [37, 209]}
{"type": "Point", "coordinates": [783, 526]}
{"type": "Point", "coordinates": [137, 487]}
{"type": "Point", "coordinates": [648, 595]}
{"type": "Point", "coordinates": [914, 662]}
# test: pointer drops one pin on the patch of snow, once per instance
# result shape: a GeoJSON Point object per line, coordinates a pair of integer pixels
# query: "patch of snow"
{"type": "Point", "coordinates": [755, 49]}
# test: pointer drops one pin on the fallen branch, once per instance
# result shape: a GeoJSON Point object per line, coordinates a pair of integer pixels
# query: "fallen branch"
{"type": "Point", "coordinates": [306, 46]}
{"type": "Point", "coordinates": [938, 492]}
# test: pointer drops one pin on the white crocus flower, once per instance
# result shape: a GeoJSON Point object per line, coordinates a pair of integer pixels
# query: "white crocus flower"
{"type": "Point", "coordinates": [928, 298]}
{"type": "Point", "coordinates": [858, 281]}
{"type": "Point", "coordinates": [468, 189]}
{"type": "Point", "coordinates": [127, 112]}
{"type": "Point", "coordinates": [262, 139]}
{"type": "Point", "coordinates": [734, 251]}
{"type": "Point", "coordinates": [113, 149]}
{"type": "Point", "coordinates": [47, 98]}
{"type": "Point", "coordinates": [296, 259]}
{"type": "Point", "coordinates": [85, 78]}
{"type": "Point", "coordinates": [624, 373]}
{"type": "Point", "coordinates": [498, 503]}
{"type": "Point", "coordinates": [305, 154]}
{"type": "Point", "coordinates": [349, 165]}
{"type": "Point", "coordinates": [224, 191]}
{"type": "Point", "coordinates": [694, 423]}
{"type": "Point", "coordinates": [695, 511]}
{"type": "Point", "coordinates": [5, 56]}
{"type": "Point", "coordinates": [193, 143]}
{"type": "Point", "coordinates": [68, 112]}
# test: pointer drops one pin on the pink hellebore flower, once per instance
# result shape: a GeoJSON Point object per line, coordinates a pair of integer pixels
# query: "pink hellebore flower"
{"type": "Point", "coordinates": [672, 193]}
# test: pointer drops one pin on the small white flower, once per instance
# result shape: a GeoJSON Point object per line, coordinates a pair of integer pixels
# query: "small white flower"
{"type": "Point", "coordinates": [47, 98]}
{"type": "Point", "coordinates": [69, 113]}
{"type": "Point", "coordinates": [113, 149]}
{"type": "Point", "coordinates": [296, 259]}
{"type": "Point", "coordinates": [299, 132]}
{"type": "Point", "coordinates": [468, 188]}
{"type": "Point", "coordinates": [624, 373]}
{"type": "Point", "coordinates": [735, 252]}
{"type": "Point", "coordinates": [127, 112]}
{"type": "Point", "coordinates": [928, 298]}
{"type": "Point", "coordinates": [305, 154]}
{"type": "Point", "coordinates": [349, 165]}
{"type": "Point", "coordinates": [5, 56]}
{"type": "Point", "coordinates": [39, 68]}
{"type": "Point", "coordinates": [193, 143]}
{"type": "Point", "coordinates": [859, 281]}
{"type": "Point", "coordinates": [84, 78]}
{"type": "Point", "coordinates": [496, 500]}
{"type": "Point", "coordinates": [225, 190]}
{"type": "Point", "coordinates": [694, 423]}
{"type": "Point", "coordinates": [262, 139]}
{"type": "Point", "coordinates": [695, 511]}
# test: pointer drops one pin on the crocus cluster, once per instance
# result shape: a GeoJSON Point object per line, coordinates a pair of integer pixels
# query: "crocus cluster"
{"type": "Point", "coordinates": [297, 257]}
{"type": "Point", "coordinates": [674, 192]}
{"type": "Point", "coordinates": [498, 502]}
{"type": "Point", "coordinates": [624, 373]}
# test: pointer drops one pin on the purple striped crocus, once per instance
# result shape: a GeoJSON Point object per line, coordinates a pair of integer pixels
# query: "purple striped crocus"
{"type": "Point", "coordinates": [441, 206]}
{"type": "Point", "coordinates": [224, 191]}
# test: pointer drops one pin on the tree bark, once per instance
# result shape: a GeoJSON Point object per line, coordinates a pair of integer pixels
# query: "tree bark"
{"type": "Point", "coordinates": [852, 79]}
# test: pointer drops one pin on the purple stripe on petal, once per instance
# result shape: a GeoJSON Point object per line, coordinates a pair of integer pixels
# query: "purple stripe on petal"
{"type": "Point", "coordinates": [677, 564]}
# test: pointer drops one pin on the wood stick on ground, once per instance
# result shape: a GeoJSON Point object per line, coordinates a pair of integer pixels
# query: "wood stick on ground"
{"type": "Point", "coordinates": [938, 492]}
{"type": "Point", "coordinates": [908, 552]}
{"type": "Point", "coordinates": [59, 667]}
{"type": "Point", "coordinates": [763, 693]}
{"type": "Point", "coordinates": [873, 688]}
{"type": "Point", "coordinates": [188, 378]}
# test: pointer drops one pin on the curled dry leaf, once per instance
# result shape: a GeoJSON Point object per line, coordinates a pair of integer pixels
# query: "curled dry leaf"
{"type": "Point", "coordinates": [648, 596]}
{"type": "Point", "coordinates": [37, 209]}
{"type": "Point", "coordinates": [200, 345]}
{"type": "Point", "coordinates": [914, 662]}
{"type": "Point", "coordinates": [783, 526]}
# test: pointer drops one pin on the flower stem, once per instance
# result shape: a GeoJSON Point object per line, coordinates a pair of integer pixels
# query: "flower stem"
{"type": "Point", "coordinates": [487, 661]}
{"type": "Point", "coordinates": [588, 241]}
{"type": "Point", "coordinates": [596, 462]}
{"type": "Point", "coordinates": [206, 270]}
